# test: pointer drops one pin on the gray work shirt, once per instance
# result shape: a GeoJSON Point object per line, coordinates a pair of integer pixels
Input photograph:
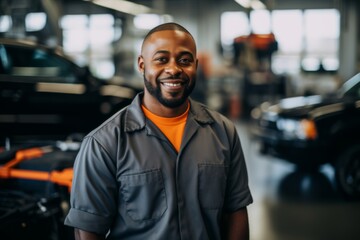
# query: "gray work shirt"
{"type": "Point", "coordinates": [130, 182]}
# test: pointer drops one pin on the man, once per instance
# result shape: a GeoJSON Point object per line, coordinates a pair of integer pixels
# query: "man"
{"type": "Point", "coordinates": [165, 167]}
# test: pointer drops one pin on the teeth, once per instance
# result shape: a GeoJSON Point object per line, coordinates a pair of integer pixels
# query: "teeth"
{"type": "Point", "coordinates": [172, 84]}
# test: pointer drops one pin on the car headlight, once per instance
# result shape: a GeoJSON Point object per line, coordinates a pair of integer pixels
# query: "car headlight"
{"type": "Point", "coordinates": [301, 129]}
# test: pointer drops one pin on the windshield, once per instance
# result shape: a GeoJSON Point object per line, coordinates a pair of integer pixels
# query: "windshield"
{"type": "Point", "coordinates": [31, 63]}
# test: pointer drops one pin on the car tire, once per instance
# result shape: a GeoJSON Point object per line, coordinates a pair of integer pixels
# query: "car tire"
{"type": "Point", "coordinates": [347, 172]}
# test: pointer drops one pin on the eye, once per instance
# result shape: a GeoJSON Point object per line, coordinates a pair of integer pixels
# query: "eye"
{"type": "Point", "coordinates": [161, 59]}
{"type": "Point", "coordinates": [185, 61]}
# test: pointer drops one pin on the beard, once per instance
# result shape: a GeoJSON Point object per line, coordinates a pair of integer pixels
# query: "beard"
{"type": "Point", "coordinates": [155, 91]}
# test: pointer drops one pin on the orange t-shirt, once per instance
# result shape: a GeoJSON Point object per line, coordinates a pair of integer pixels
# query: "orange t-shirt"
{"type": "Point", "coordinates": [173, 128]}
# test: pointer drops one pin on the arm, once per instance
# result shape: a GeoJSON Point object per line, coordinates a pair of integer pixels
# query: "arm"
{"type": "Point", "coordinates": [236, 225]}
{"type": "Point", "coordinates": [83, 235]}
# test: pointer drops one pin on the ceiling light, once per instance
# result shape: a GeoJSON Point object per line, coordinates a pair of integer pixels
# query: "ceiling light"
{"type": "Point", "coordinates": [244, 3]}
{"type": "Point", "coordinates": [254, 4]}
{"type": "Point", "coordinates": [123, 6]}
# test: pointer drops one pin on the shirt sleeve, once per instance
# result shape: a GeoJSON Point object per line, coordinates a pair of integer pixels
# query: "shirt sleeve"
{"type": "Point", "coordinates": [94, 189]}
{"type": "Point", "coordinates": [238, 193]}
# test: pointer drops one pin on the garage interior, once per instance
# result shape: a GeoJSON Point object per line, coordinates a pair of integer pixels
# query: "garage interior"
{"type": "Point", "coordinates": [317, 49]}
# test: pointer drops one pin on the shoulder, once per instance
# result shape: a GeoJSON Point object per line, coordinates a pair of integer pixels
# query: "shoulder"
{"type": "Point", "coordinates": [127, 119]}
{"type": "Point", "coordinates": [110, 126]}
{"type": "Point", "coordinates": [207, 115]}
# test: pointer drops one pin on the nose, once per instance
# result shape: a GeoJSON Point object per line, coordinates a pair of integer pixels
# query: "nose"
{"type": "Point", "coordinates": [173, 69]}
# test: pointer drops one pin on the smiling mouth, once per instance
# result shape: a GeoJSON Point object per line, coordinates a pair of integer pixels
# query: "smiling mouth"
{"type": "Point", "coordinates": [173, 87]}
{"type": "Point", "coordinates": [169, 84]}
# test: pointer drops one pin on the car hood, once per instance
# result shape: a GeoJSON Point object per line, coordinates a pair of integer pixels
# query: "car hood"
{"type": "Point", "coordinates": [299, 107]}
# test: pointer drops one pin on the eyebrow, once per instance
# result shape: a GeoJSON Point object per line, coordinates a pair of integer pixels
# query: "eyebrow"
{"type": "Point", "coordinates": [167, 52]}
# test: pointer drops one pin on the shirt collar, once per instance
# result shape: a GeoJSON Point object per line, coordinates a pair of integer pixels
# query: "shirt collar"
{"type": "Point", "coordinates": [135, 118]}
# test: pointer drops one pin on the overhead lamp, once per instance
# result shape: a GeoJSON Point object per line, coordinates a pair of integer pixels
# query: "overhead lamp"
{"type": "Point", "coordinates": [123, 6]}
{"type": "Point", "coordinates": [254, 4]}
{"type": "Point", "coordinates": [244, 3]}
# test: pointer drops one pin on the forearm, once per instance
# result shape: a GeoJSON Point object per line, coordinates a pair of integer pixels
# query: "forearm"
{"type": "Point", "coordinates": [236, 225]}
{"type": "Point", "coordinates": [83, 235]}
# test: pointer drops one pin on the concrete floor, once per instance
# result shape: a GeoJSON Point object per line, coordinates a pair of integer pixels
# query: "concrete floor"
{"type": "Point", "coordinates": [295, 206]}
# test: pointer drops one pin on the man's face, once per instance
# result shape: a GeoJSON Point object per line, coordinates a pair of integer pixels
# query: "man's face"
{"type": "Point", "coordinates": [168, 63]}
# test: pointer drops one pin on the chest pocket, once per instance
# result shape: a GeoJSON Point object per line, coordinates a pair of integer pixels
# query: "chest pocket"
{"type": "Point", "coordinates": [144, 195]}
{"type": "Point", "coordinates": [212, 185]}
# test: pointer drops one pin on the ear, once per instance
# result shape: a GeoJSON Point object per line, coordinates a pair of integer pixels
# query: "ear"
{"type": "Point", "coordinates": [141, 64]}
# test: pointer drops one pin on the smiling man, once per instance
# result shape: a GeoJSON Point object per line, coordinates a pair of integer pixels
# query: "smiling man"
{"type": "Point", "coordinates": [170, 72]}
{"type": "Point", "coordinates": [165, 167]}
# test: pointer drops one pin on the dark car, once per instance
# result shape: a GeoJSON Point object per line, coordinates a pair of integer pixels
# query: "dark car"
{"type": "Point", "coordinates": [44, 93]}
{"type": "Point", "coordinates": [313, 130]}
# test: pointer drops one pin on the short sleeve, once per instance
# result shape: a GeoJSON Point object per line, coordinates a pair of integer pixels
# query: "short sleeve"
{"type": "Point", "coordinates": [94, 189]}
{"type": "Point", "coordinates": [238, 193]}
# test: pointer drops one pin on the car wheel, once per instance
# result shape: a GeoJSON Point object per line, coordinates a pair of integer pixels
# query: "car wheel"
{"type": "Point", "coordinates": [347, 172]}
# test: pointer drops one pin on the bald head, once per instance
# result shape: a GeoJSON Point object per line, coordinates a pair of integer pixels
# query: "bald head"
{"type": "Point", "coordinates": [163, 27]}
{"type": "Point", "coordinates": [168, 64]}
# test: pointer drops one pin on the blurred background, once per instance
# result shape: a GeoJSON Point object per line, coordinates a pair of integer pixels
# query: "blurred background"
{"type": "Point", "coordinates": [285, 71]}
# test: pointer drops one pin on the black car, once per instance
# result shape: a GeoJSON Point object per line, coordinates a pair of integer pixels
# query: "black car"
{"type": "Point", "coordinates": [44, 93]}
{"type": "Point", "coordinates": [310, 131]}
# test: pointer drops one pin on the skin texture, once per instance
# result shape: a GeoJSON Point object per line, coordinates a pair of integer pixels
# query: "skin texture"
{"type": "Point", "coordinates": [236, 225]}
{"type": "Point", "coordinates": [83, 235]}
{"type": "Point", "coordinates": [168, 64]}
